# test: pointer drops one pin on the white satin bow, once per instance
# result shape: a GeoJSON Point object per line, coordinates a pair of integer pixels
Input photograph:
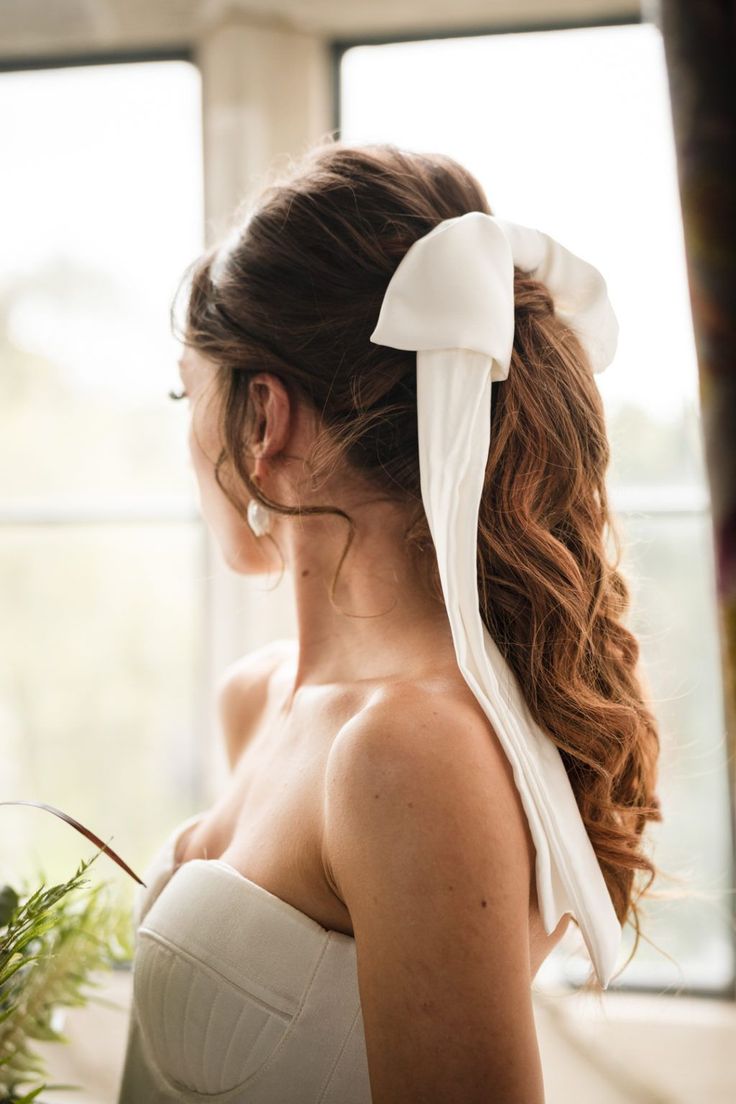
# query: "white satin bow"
{"type": "Point", "coordinates": [451, 299]}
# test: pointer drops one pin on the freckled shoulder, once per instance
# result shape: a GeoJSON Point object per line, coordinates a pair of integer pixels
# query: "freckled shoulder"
{"type": "Point", "coordinates": [427, 846]}
{"type": "Point", "coordinates": [437, 731]}
{"type": "Point", "coordinates": [242, 690]}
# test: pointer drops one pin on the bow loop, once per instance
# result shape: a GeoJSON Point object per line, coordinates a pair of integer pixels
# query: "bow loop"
{"type": "Point", "coordinates": [454, 289]}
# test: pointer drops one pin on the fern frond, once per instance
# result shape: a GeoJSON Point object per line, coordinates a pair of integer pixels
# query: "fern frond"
{"type": "Point", "coordinates": [51, 943]}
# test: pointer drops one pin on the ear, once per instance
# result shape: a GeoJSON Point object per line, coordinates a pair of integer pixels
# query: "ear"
{"type": "Point", "coordinates": [272, 418]}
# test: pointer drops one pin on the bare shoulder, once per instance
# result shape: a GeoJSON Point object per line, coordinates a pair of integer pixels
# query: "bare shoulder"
{"type": "Point", "coordinates": [440, 741]}
{"type": "Point", "coordinates": [242, 688]}
{"type": "Point", "coordinates": [428, 846]}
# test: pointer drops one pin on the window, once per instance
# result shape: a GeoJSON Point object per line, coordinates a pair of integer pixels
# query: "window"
{"type": "Point", "coordinates": [570, 130]}
{"type": "Point", "coordinates": [101, 543]}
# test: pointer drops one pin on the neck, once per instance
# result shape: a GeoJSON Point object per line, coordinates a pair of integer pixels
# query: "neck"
{"type": "Point", "coordinates": [381, 623]}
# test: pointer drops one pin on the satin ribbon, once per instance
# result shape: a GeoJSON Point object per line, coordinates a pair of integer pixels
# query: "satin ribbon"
{"type": "Point", "coordinates": [451, 299]}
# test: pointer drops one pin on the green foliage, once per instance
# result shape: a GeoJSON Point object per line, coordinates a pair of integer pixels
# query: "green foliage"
{"type": "Point", "coordinates": [51, 941]}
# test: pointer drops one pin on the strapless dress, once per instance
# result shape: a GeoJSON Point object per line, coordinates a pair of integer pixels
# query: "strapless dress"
{"type": "Point", "coordinates": [237, 995]}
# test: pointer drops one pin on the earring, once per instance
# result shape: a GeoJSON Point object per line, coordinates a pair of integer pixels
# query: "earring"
{"type": "Point", "coordinates": [259, 517]}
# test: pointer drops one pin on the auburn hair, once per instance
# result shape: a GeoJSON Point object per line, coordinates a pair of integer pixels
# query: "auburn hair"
{"type": "Point", "coordinates": [296, 292]}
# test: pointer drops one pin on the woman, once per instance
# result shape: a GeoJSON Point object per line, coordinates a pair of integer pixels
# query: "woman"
{"type": "Point", "coordinates": [357, 917]}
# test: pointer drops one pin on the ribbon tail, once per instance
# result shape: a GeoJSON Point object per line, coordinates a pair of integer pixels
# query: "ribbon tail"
{"type": "Point", "coordinates": [454, 420]}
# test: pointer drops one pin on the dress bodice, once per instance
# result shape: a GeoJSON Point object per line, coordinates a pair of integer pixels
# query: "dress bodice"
{"type": "Point", "coordinates": [237, 995]}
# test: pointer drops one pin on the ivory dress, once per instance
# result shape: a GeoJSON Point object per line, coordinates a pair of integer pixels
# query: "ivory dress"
{"type": "Point", "coordinates": [237, 995]}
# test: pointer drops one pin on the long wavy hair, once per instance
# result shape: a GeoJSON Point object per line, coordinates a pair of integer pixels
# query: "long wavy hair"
{"type": "Point", "coordinates": [296, 292]}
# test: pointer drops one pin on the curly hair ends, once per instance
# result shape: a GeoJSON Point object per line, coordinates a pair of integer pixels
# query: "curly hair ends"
{"type": "Point", "coordinates": [297, 290]}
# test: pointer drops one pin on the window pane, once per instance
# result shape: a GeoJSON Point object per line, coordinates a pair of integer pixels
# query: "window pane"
{"type": "Point", "coordinates": [674, 590]}
{"type": "Point", "coordinates": [100, 212]}
{"type": "Point", "coordinates": [569, 131]}
{"type": "Point", "coordinates": [669, 566]}
{"type": "Point", "coordinates": [100, 708]}
{"type": "Point", "coordinates": [102, 633]}
{"type": "Point", "coordinates": [564, 153]}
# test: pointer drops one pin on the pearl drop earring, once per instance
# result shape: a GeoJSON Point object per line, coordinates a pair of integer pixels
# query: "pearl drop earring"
{"type": "Point", "coordinates": [259, 518]}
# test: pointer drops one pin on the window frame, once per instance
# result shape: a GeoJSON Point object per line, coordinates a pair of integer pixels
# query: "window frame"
{"type": "Point", "coordinates": [83, 511]}
{"type": "Point", "coordinates": [682, 502]}
{"type": "Point", "coordinates": [677, 500]}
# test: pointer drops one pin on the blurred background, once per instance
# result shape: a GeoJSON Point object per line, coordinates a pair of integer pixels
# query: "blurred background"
{"type": "Point", "coordinates": [129, 132]}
